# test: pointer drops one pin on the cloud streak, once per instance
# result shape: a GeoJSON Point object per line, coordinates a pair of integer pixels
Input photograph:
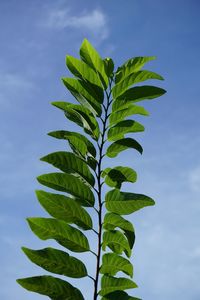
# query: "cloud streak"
{"type": "Point", "coordinates": [93, 22]}
{"type": "Point", "coordinates": [194, 179]}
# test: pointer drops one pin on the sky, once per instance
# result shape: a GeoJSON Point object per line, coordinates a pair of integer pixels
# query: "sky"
{"type": "Point", "coordinates": [35, 38]}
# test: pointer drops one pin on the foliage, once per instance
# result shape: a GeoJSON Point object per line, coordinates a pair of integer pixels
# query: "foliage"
{"type": "Point", "coordinates": [106, 105]}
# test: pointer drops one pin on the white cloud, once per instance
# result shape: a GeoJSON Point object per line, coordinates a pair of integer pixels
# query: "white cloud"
{"type": "Point", "coordinates": [194, 179]}
{"type": "Point", "coordinates": [93, 22]}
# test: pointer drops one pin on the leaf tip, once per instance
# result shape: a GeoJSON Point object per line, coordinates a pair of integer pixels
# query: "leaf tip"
{"type": "Point", "coordinates": [19, 281]}
{"type": "Point", "coordinates": [24, 249]}
{"type": "Point", "coordinates": [38, 192]}
{"type": "Point", "coordinates": [53, 103]}
{"type": "Point", "coordinates": [43, 158]}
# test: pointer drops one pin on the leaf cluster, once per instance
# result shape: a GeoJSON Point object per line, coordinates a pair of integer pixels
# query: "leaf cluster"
{"type": "Point", "coordinates": [106, 105]}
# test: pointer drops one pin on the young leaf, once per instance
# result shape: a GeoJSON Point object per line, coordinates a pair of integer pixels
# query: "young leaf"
{"type": "Point", "coordinates": [113, 263]}
{"type": "Point", "coordinates": [55, 288]}
{"type": "Point", "coordinates": [85, 94]}
{"type": "Point", "coordinates": [120, 129]}
{"type": "Point", "coordinates": [69, 184]}
{"type": "Point", "coordinates": [139, 93]}
{"type": "Point", "coordinates": [130, 110]}
{"type": "Point", "coordinates": [109, 66]}
{"type": "Point", "coordinates": [131, 66]}
{"type": "Point", "coordinates": [116, 241]}
{"type": "Point", "coordinates": [91, 57]}
{"type": "Point", "coordinates": [131, 79]}
{"type": "Point", "coordinates": [57, 261]}
{"type": "Point", "coordinates": [114, 177]}
{"type": "Point", "coordinates": [83, 71]}
{"type": "Point", "coordinates": [110, 284]}
{"type": "Point", "coordinates": [123, 144]}
{"type": "Point", "coordinates": [126, 203]}
{"type": "Point", "coordinates": [64, 208]}
{"type": "Point", "coordinates": [70, 163]}
{"type": "Point", "coordinates": [66, 235]}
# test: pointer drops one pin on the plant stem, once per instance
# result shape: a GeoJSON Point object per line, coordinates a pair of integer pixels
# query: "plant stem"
{"type": "Point", "coordinates": [101, 155]}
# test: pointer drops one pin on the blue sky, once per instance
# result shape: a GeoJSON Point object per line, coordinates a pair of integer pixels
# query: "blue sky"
{"type": "Point", "coordinates": [35, 37]}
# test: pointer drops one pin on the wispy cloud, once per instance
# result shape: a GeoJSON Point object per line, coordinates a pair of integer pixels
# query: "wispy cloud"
{"type": "Point", "coordinates": [93, 22]}
{"type": "Point", "coordinates": [14, 81]}
{"type": "Point", "coordinates": [194, 179]}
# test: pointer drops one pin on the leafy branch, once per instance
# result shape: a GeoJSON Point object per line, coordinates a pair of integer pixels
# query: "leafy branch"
{"type": "Point", "coordinates": [106, 99]}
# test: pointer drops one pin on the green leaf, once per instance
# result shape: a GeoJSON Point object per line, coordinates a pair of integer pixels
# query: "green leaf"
{"type": "Point", "coordinates": [126, 203]}
{"type": "Point", "coordinates": [110, 284]}
{"type": "Point", "coordinates": [114, 177]}
{"type": "Point", "coordinates": [109, 66]}
{"type": "Point", "coordinates": [119, 295]}
{"type": "Point", "coordinates": [92, 162]}
{"type": "Point", "coordinates": [123, 144]}
{"type": "Point", "coordinates": [113, 263]}
{"type": "Point", "coordinates": [125, 111]}
{"type": "Point", "coordinates": [131, 79]}
{"type": "Point", "coordinates": [79, 144]}
{"type": "Point", "coordinates": [69, 184]}
{"type": "Point", "coordinates": [78, 147]}
{"type": "Point", "coordinates": [83, 71]}
{"type": "Point", "coordinates": [85, 93]}
{"type": "Point", "coordinates": [91, 57]}
{"type": "Point", "coordinates": [81, 116]}
{"type": "Point", "coordinates": [116, 241]}
{"type": "Point", "coordinates": [120, 129]}
{"type": "Point", "coordinates": [131, 66]}
{"type": "Point", "coordinates": [66, 235]}
{"type": "Point", "coordinates": [111, 221]}
{"type": "Point", "coordinates": [64, 208]}
{"type": "Point", "coordinates": [70, 163]}
{"type": "Point", "coordinates": [137, 94]}
{"type": "Point", "coordinates": [82, 144]}
{"type": "Point", "coordinates": [57, 261]}
{"type": "Point", "coordinates": [55, 288]}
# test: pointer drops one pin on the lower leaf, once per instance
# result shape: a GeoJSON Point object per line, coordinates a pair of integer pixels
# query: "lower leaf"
{"type": "Point", "coordinates": [111, 221]}
{"type": "Point", "coordinates": [116, 241]}
{"type": "Point", "coordinates": [57, 261]}
{"type": "Point", "coordinates": [82, 144]}
{"type": "Point", "coordinates": [55, 288]}
{"type": "Point", "coordinates": [119, 295]}
{"type": "Point", "coordinates": [66, 235]}
{"type": "Point", "coordinates": [126, 203]}
{"type": "Point", "coordinates": [110, 284]}
{"type": "Point", "coordinates": [114, 177]}
{"type": "Point", "coordinates": [113, 263]}
{"type": "Point", "coordinates": [69, 184]}
{"type": "Point", "coordinates": [65, 208]}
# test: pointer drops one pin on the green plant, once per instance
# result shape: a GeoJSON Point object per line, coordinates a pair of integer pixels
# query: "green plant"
{"type": "Point", "coordinates": [106, 98]}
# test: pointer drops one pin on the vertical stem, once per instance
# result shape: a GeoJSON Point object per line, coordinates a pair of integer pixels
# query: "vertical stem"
{"type": "Point", "coordinates": [100, 196]}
